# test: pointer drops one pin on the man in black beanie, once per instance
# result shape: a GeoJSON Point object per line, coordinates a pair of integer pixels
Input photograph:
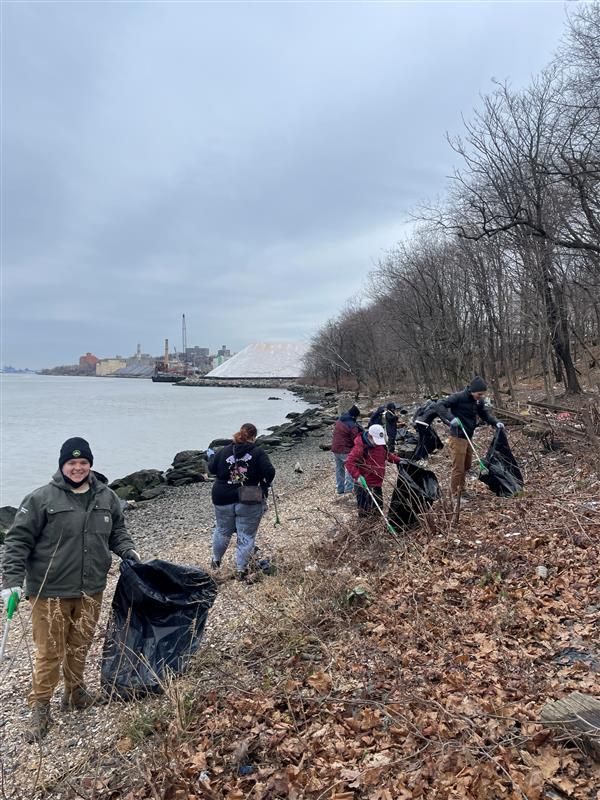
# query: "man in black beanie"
{"type": "Point", "coordinates": [60, 543]}
{"type": "Point", "coordinates": [460, 411]}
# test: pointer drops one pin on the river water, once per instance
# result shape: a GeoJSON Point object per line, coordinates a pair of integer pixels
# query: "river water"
{"type": "Point", "coordinates": [130, 424]}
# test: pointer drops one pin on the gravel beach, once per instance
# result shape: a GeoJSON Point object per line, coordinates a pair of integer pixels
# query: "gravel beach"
{"type": "Point", "coordinates": [177, 527]}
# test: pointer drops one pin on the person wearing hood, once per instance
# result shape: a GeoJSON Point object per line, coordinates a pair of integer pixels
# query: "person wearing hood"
{"type": "Point", "coordinates": [367, 460]}
{"type": "Point", "coordinates": [244, 474]}
{"type": "Point", "coordinates": [391, 420]}
{"type": "Point", "coordinates": [460, 411]}
{"type": "Point", "coordinates": [59, 546]}
{"type": "Point", "coordinates": [344, 433]}
{"type": "Point", "coordinates": [377, 416]}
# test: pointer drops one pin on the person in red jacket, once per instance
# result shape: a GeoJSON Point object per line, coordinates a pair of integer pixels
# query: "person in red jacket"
{"type": "Point", "coordinates": [367, 460]}
{"type": "Point", "coordinates": [344, 433]}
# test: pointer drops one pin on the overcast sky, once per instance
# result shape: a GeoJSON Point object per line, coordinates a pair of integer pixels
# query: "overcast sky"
{"type": "Point", "coordinates": [243, 163]}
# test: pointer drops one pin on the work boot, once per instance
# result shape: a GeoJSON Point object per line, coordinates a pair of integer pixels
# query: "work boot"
{"type": "Point", "coordinates": [39, 723]}
{"type": "Point", "coordinates": [77, 699]}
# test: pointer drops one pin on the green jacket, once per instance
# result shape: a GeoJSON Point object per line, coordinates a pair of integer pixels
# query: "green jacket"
{"type": "Point", "coordinates": [62, 549]}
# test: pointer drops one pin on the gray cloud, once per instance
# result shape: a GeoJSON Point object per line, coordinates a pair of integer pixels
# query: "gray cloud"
{"type": "Point", "coordinates": [243, 163]}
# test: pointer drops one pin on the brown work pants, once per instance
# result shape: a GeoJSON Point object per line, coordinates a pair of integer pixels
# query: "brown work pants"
{"type": "Point", "coordinates": [461, 463]}
{"type": "Point", "coordinates": [63, 629]}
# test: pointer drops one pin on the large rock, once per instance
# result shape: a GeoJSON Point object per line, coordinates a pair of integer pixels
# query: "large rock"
{"type": "Point", "coordinates": [189, 466]}
{"type": "Point", "coordinates": [132, 486]}
{"type": "Point", "coordinates": [216, 443]}
{"type": "Point", "coordinates": [189, 456]}
{"type": "Point", "coordinates": [156, 491]}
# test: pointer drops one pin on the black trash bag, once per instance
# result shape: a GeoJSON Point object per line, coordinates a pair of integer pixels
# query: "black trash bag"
{"type": "Point", "coordinates": [416, 489]}
{"type": "Point", "coordinates": [157, 619]}
{"type": "Point", "coordinates": [406, 441]}
{"type": "Point", "coordinates": [429, 442]}
{"type": "Point", "coordinates": [503, 476]}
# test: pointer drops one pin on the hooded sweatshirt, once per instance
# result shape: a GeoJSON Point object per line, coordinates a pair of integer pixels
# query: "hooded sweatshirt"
{"type": "Point", "coordinates": [239, 464]}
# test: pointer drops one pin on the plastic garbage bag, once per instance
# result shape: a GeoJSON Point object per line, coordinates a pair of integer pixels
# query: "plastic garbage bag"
{"type": "Point", "coordinates": [406, 441]}
{"type": "Point", "coordinates": [429, 441]}
{"type": "Point", "coordinates": [416, 489]}
{"type": "Point", "coordinates": [157, 619]}
{"type": "Point", "coordinates": [503, 477]}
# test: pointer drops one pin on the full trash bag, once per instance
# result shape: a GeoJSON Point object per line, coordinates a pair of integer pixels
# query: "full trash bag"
{"type": "Point", "coordinates": [429, 441]}
{"type": "Point", "coordinates": [157, 619]}
{"type": "Point", "coordinates": [503, 476]}
{"type": "Point", "coordinates": [406, 441]}
{"type": "Point", "coordinates": [416, 489]}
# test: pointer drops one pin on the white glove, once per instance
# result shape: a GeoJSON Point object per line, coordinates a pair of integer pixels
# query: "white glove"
{"type": "Point", "coordinates": [500, 425]}
{"type": "Point", "coordinates": [210, 452]}
{"type": "Point", "coordinates": [131, 555]}
{"type": "Point", "coordinates": [6, 593]}
{"type": "Point", "coordinates": [455, 422]}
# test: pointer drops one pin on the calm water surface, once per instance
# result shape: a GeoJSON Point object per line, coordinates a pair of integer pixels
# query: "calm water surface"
{"type": "Point", "coordinates": [130, 424]}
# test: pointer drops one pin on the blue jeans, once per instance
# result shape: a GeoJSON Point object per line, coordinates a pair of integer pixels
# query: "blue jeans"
{"type": "Point", "coordinates": [242, 519]}
{"type": "Point", "coordinates": [342, 478]}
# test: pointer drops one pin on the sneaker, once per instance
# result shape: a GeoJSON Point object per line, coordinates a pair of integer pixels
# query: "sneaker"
{"type": "Point", "coordinates": [215, 564]}
{"type": "Point", "coordinates": [241, 574]}
{"type": "Point", "coordinates": [40, 721]}
{"type": "Point", "coordinates": [77, 699]}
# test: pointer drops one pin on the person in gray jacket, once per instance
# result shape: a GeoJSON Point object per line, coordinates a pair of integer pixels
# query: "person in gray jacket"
{"type": "Point", "coordinates": [59, 546]}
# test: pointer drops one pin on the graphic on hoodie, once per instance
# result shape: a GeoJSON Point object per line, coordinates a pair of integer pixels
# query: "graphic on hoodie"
{"type": "Point", "coordinates": [238, 468]}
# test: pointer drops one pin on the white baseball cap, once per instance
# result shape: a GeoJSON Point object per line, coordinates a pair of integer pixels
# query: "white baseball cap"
{"type": "Point", "coordinates": [376, 433]}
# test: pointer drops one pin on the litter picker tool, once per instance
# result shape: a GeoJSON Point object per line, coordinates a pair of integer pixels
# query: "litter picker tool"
{"type": "Point", "coordinates": [364, 485]}
{"type": "Point", "coordinates": [277, 520]}
{"type": "Point", "coordinates": [11, 607]}
{"type": "Point", "coordinates": [482, 467]}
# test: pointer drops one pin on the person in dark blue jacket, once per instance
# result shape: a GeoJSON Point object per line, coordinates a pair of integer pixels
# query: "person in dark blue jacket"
{"type": "Point", "coordinates": [460, 411]}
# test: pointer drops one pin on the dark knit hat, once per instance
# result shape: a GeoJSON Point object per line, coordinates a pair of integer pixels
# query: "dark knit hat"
{"type": "Point", "coordinates": [391, 406]}
{"type": "Point", "coordinates": [477, 385]}
{"type": "Point", "coordinates": [75, 448]}
{"type": "Point", "coordinates": [354, 411]}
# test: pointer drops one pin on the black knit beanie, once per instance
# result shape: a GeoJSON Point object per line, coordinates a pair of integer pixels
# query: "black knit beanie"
{"type": "Point", "coordinates": [354, 411]}
{"type": "Point", "coordinates": [477, 385]}
{"type": "Point", "coordinates": [75, 448]}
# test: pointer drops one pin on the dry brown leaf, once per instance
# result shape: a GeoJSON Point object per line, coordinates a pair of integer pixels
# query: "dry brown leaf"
{"type": "Point", "coordinates": [321, 681]}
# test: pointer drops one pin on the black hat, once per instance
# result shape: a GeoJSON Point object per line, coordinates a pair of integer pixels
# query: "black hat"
{"type": "Point", "coordinates": [75, 448]}
{"type": "Point", "coordinates": [391, 406]}
{"type": "Point", "coordinates": [354, 411]}
{"type": "Point", "coordinates": [477, 385]}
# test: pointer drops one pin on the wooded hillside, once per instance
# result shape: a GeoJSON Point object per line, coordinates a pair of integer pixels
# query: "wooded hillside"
{"type": "Point", "coordinates": [502, 277]}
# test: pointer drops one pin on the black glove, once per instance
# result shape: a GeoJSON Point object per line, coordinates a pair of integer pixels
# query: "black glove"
{"type": "Point", "coordinates": [131, 555]}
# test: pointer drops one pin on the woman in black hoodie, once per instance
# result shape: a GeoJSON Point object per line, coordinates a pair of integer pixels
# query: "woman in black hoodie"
{"type": "Point", "coordinates": [239, 464]}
